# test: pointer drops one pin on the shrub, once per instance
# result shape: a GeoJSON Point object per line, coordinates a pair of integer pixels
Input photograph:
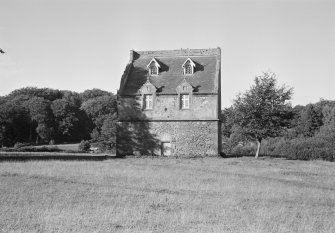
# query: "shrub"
{"type": "Point", "coordinates": [248, 149]}
{"type": "Point", "coordinates": [317, 147]}
{"type": "Point", "coordinates": [84, 146]}
{"type": "Point", "coordinates": [40, 149]}
{"type": "Point", "coordinates": [300, 148]}
{"type": "Point", "coordinates": [20, 145]}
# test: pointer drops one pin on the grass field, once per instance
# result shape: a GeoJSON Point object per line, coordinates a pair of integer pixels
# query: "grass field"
{"type": "Point", "coordinates": [168, 195]}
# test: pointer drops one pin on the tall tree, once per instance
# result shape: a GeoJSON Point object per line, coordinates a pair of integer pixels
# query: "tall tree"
{"type": "Point", "coordinates": [41, 113]}
{"type": "Point", "coordinates": [66, 120]}
{"type": "Point", "coordinates": [310, 121]}
{"type": "Point", "coordinates": [263, 110]}
{"type": "Point", "coordinates": [102, 110]}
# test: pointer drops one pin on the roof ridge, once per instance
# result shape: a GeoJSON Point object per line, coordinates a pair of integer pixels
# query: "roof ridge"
{"type": "Point", "coordinates": [175, 53]}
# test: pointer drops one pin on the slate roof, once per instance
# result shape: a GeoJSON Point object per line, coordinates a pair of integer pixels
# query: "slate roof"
{"type": "Point", "coordinates": [204, 79]}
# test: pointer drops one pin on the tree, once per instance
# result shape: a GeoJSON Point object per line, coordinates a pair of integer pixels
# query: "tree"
{"type": "Point", "coordinates": [91, 94]}
{"type": "Point", "coordinates": [102, 111]}
{"type": "Point", "coordinates": [263, 110]}
{"type": "Point", "coordinates": [66, 120]}
{"type": "Point", "coordinates": [310, 121]}
{"type": "Point", "coordinates": [227, 118]}
{"type": "Point", "coordinates": [14, 123]}
{"type": "Point", "coordinates": [40, 112]}
{"type": "Point", "coordinates": [327, 130]}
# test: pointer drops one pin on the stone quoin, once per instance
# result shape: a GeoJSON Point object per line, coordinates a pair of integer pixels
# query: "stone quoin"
{"type": "Point", "coordinates": [169, 103]}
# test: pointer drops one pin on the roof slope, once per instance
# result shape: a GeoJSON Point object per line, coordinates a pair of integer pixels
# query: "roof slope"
{"type": "Point", "coordinates": [204, 79]}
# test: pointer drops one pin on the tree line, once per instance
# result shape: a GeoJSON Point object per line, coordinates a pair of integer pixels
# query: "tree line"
{"type": "Point", "coordinates": [262, 121]}
{"type": "Point", "coordinates": [43, 115]}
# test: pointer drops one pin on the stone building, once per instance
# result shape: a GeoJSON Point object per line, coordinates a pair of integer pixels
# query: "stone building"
{"type": "Point", "coordinates": [169, 103]}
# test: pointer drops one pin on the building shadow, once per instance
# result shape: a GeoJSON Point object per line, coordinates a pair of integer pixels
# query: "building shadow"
{"type": "Point", "coordinates": [198, 67]}
{"type": "Point", "coordinates": [134, 135]}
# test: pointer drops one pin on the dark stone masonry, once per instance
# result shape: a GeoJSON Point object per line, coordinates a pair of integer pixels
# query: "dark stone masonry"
{"type": "Point", "coordinates": [169, 103]}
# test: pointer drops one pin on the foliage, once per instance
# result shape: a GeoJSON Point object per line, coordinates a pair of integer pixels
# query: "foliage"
{"type": "Point", "coordinates": [263, 110]}
{"type": "Point", "coordinates": [20, 145]}
{"type": "Point", "coordinates": [321, 145]}
{"type": "Point", "coordinates": [43, 115]}
{"type": "Point", "coordinates": [227, 118]}
{"type": "Point", "coordinates": [310, 121]}
{"type": "Point", "coordinates": [34, 149]}
{"type": "Point", "coordinates": [244, 150]}
{"type": "Point", "coordinates": [92, 94]}
{"type": "Point", "coordinates": [66, 119]}
{"type": "Point", "coordinates": [84, 146]}
{"type": "Point", "coordinates": [102, 110]}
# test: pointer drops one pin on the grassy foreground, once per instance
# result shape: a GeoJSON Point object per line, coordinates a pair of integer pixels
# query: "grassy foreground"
{"type": "Point", "coordinates": [168, 195]}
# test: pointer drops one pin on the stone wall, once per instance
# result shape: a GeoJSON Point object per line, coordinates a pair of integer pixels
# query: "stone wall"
{"type": "Point", "coordinates": [167, 107]}
{"type": "Point", "coordinates": [187, 138]}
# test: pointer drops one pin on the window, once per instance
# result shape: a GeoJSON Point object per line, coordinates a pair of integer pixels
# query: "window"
{"type": "Point", "coordinates": [153, 70]}
{"type": "Point", "coordinates": [153, 67]}
{"type": "Point", "coordinates": [184, 101]}
{"type": "Point", "coordinates": [147, 102]}
{"type": "Point", "coordinates": [188, 69]}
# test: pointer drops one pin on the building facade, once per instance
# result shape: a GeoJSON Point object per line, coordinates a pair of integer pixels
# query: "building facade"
{"type": "Point", "coordinates": [169, 103]}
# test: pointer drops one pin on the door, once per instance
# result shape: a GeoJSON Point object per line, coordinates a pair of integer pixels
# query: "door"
{"type": "Point", "coordinates": [166, 149]}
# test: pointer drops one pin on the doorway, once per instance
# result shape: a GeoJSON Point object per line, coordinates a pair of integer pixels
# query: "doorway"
{"type": "Point", "coordinates": [166, 149]}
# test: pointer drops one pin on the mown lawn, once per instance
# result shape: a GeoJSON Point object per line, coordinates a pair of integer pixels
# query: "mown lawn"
{"type": "Point", "coordinates": [168, 195]}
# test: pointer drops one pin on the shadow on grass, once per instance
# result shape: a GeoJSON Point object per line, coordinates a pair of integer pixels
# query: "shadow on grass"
{"type": "Point", "coordinates": [23, 158]}
{"type": "Point", "coordinates": [230, 155]}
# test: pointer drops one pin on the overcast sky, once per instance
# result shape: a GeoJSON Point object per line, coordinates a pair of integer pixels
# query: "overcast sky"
{"type": "Point", "coordinates": [84, 44]}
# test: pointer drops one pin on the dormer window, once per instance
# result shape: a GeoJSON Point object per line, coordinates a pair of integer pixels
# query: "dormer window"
{"type": "Point", "coordinates": [153, 70]}
{"type": "Point", "coordinates": [153, 67]}
{"type": "Point", "coordinates": [188, 67]}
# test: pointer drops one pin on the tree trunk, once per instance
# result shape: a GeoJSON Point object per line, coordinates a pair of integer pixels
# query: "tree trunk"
{"type": "Point", "coordinates": [259, 140]}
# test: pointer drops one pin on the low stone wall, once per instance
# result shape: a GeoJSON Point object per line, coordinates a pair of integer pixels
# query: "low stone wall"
{"type": "Point", "coordinates": [185, 138]}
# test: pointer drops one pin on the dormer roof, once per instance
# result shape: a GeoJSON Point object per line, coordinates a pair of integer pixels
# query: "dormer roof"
{"type": "Point", "coordinates": [155, 61]}
{"type": "Point", "coordinates": [147, 87]}
{"type": "Point", "coordinates": [188, 60]}
{"type": "Point", "coordinates": [184, 87]}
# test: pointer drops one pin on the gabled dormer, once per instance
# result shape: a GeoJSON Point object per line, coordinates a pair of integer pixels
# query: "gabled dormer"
{"type": "Point", "coordinates": [147, 88]}
{"type": "Point", "coordinates": [188, 67]}
{"type": "Point", "coordinates": [153, 67]}
{"type": "Point", "coordinates": [148, 94]}
{"type": "Point", "coordinates": [184, 87]}
{"type": "Point", "coordinates": [184, 90]}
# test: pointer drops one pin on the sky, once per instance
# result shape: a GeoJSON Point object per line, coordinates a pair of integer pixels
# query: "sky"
{"type": "Point", "coordinates": [84, 44]}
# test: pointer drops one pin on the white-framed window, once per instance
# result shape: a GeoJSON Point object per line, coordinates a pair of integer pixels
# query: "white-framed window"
{"type": "Point", "coordinates": [147, 101]}
{"type": "Point", "coordinates": [153, 70]}
{"type": "Point", "coordinates": [184, 101]}
{"type": "Point", "coordinates": [153, 67]}
{"type": "Point", "coordinates": [188, 68]}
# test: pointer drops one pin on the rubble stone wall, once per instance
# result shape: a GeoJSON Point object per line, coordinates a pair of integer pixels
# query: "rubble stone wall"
{"type": "Point", "coordinates": [187, 138]}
